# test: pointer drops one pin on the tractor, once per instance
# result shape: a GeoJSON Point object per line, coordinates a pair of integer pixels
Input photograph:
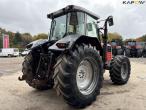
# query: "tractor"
{"type": "Point", "coordinates": [74, 59]}
{"type": "Point", "coordinates": [133, 49]}
{"type": "Point", "coordinates": [117, 47]}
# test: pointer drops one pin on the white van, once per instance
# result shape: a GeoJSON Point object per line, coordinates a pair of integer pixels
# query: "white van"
{"type": "Point", "coordinates": [9, 52]}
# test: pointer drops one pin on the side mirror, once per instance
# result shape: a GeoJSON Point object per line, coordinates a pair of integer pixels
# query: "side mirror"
{"type": "Point", "coordinates": [110, 21]}
{"type": "Point", "coordinates": [89, 26]}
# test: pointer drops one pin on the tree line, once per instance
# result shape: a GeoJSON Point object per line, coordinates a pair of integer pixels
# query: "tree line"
{"type": "Point", "coordinates": [20, 40]}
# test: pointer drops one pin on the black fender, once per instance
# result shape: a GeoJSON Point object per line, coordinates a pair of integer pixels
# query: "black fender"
{"type": "Point", "coordinates": [36, 43]}
{"type": "Point", "coordinates": [73, 39]}
{"type": "Point", "coordinates": [39, 43]}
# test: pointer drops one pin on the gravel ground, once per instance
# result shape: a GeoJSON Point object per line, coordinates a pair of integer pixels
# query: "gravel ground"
{"type": "Point", "coordinates": [10, 65]}
{"type": "Point", "coordinates": [16, 95]}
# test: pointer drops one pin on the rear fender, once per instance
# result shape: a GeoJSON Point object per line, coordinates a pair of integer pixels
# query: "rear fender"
{"type": "Point", "coordinates": [41, 44]}
{"type": "Point", "coordinates": [71, 40]}
{"type": "Point", "coordinates": [36, 43]}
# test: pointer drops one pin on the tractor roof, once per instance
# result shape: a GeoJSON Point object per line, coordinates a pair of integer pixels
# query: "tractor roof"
{"type": "Point", "coordinates": [71, 8]}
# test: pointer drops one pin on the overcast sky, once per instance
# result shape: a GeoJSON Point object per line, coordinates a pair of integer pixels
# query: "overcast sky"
{"type": "Point", "coordinates": [30, 15]}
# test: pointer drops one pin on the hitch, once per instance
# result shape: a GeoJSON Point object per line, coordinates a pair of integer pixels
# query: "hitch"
{"type": "Point", "coordinates": [23, 77]}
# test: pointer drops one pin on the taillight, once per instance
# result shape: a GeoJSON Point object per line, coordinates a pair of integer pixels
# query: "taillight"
{"type": "Point", "coordinates": [62, 45]}
{"type": "Point", "coordinates": [108, 56]}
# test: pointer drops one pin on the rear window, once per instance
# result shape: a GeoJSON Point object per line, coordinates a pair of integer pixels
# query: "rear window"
{"type": "Point", "coordinates": [0, 50]}
{"type": "Point", "coordinates": [132, 43]}
{"type": "Point", "coordinates": [114, 43]}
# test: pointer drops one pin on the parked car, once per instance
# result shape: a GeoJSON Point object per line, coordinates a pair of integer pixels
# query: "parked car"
{"type": "Point", "coordinates": [9, 52]}
{"type": "Point", "coordinates": [25, 52]}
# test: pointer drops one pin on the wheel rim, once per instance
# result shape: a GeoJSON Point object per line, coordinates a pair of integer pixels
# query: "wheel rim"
{"type": "Point", "coordinates": [124, 70]}
{"type": "Point", "coordinates": [86, 76]}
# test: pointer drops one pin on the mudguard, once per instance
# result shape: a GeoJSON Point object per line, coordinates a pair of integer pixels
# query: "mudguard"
{"type": "Point", "coordinates": [36, 43]}
{"type": "Point", "coordinates": [71, 40]}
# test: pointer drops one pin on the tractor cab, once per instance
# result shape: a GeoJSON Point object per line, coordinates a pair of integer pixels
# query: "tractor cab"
{"type": "Point", "coordinates": [113, 43]}
{"type": "Point", "coordinates": [131, 44]}
{"type": "Point", "coordinates": [116, 43]}
{"type": "Point", "coordinates": [133, 49]}
{"type": "Point", "coordinates": [73, 20]}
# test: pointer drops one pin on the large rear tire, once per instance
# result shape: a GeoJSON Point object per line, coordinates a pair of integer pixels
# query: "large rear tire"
{"type": "Point", "coordinates": [79, 76]}
{"type": "Point", "coordinates": [120, 70]}
{"type": "Point", "coordinates": [28, 71]}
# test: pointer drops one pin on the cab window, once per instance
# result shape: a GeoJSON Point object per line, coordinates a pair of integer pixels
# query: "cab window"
{"type": "Point", "coordinates": [76, 23]}
{"type": "Point", "coordinates": [91, 27]}
{"type": "Point", "coordinates": [59, 28]}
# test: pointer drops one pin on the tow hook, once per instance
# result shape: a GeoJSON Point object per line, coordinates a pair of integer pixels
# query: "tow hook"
{"type": "Point", "coordinates": [23, 77]}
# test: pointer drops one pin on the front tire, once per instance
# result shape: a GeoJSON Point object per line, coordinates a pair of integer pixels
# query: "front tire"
{"type": "Point", "coordinates": [79, 76]}
{"type": "Point", "coordinates": [120, 70]}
